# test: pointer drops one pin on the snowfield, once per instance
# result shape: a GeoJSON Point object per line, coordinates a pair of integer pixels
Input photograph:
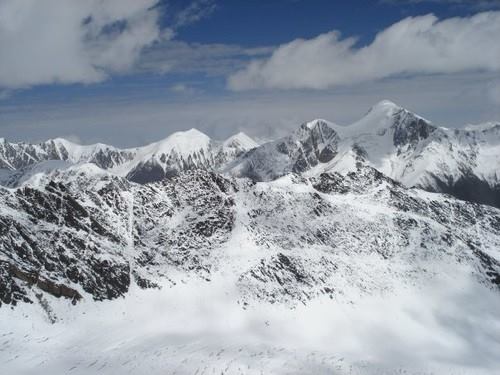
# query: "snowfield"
{"type": "Point", "coordinates": [449, 326]}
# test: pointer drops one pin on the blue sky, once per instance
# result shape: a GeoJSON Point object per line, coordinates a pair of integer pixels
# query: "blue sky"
{"type": "Point", "coordinates": [132, 72]}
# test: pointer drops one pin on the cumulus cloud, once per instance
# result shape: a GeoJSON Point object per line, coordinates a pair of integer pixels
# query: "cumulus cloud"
{"type": "Point", "coordinates": [415, 45]}
{"type": "Point", "coordinates": [72, 41]}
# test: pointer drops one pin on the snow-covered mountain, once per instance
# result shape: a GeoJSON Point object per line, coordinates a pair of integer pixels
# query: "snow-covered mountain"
{"type": "Point", "coordinates": [400, 144]}
{"type": "Point", "coordinates": [180, 151]}
{"type": "Point", "coordinates": [329, 258]}
{"type": "Point", "coordinates": [15, 156]}
{"type": "Point", "coordinates": [183, 151]}
{"type": "Point", "coordinates": [463, 162]}
{"type": "Point", "coordinates": [308, 146]}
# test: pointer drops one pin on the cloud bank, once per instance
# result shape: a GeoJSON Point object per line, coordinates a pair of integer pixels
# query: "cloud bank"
{"type": "Point", "coordinates": [412, 46]}
{"type": "Point", "coordinates": [72, 41]}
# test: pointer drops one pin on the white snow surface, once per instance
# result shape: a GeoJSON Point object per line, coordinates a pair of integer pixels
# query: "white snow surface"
{"type": "Point", "coordinates": [449, 326]}
{"type": "Point", "coordinates": [182, 143]}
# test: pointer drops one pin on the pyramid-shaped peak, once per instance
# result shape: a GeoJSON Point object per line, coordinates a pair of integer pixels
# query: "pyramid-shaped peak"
{"type": "Point", "coordinates": [319, 129]}
{"type": "Point", "coordinates": [240, 140]}
{"type": "Point", "coordinates": [191, 135]}
{"type": "Point", "coordinates": [182, 142]}
{"type": "Point", "coordinates": [318, 124]}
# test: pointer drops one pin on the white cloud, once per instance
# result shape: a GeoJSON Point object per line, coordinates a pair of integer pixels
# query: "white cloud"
{"type": "Point", "coordinates": [70, 41]}
{"type": "Point", "coordinates": [415, 45]}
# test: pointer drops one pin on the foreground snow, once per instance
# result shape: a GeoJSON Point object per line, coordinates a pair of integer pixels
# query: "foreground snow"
{"type": "Point", "coordinates": [444, 327]}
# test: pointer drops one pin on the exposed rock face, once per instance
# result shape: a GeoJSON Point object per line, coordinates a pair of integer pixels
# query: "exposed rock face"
{"type": "Point", "coordinates": [96, 237]}
{"type": "Point", "coordinates": [410, 129]}
{"type": "Point", "coordinates": [11, 293]}
{"type": "Point", "coordinates": [311, 144]}
{"type": "Point", "coordinates": [92, 238]}
{"type": "Point", "coordinates": [51, 239]}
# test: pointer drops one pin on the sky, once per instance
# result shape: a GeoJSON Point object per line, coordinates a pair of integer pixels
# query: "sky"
{"type": "Point", "coordinates": [129, 72]}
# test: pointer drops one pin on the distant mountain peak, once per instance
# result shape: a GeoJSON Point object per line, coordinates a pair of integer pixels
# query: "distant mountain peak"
{"type": "Point", "coordinates": [317, 123]}
{"type": "Point", "coordinates": [240, 140]}
{"type": "Point", "coordinates": [182, 142]}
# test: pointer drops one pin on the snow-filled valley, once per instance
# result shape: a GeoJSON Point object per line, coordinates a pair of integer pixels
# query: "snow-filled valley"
{"type": "Point", "coordinates": [365, 249]}
{"type": "Point", "coordinates": [450, 326]}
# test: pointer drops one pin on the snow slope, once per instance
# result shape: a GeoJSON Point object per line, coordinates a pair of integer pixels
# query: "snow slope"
{"type": "Point", "coordinates": [351, 274]}
{"type": "Point", "coordinates": [446, 327]}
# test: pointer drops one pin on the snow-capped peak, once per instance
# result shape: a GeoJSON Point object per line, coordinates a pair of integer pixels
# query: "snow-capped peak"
{"type": "Point", "coordinates": [380, 115]}
{"type": "Point", "coordinates": [316, 123]}
{"type": "Point", "coordinates": [385, 105]}
{"type": "Point", "coordinates": [378, 119]}
{"type": "Point", "coordinates": [182, 143]}
{"type": "Point", "coordinates": [240, 140]}
{"type": "Point", "coordinates": [77, 152]}
{"type": "Point", "coordinates": [317, 126]}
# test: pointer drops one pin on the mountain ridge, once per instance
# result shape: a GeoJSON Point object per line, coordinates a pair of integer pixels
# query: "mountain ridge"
{"type": "Point", "coordinates": [394, 140]}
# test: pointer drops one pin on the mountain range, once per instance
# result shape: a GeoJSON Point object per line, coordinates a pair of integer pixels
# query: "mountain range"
{"type": "Point", "coordinates": [404, 146]}
{"type": "Point", "coordinates": [389, 203]}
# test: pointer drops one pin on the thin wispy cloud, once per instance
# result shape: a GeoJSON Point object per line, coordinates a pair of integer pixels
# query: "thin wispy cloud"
{"type": "Point", "coordinates": [175, 56]}
{"type": "Point", "coordinates": [194, 12]}
{"type": "Point", "coordinates": [412, 46]}
{"type": "Point", "coordinates": [472, 4]}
